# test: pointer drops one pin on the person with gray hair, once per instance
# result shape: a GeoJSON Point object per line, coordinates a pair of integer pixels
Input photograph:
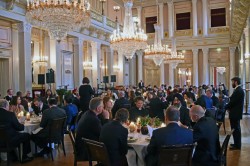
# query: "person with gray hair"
{"type": "Point", "coordinates": [114, 136]}
{"type": "Point", "coordinates": [89, 126]}
{"type": "Point", "coordinates": [172, 134]}
{"type": "Point", "coordinates": [13, 128]}
{"type": "Point", "coordinates": [122, 102]}
{"type": "Point", "coordinates": [205, 133]}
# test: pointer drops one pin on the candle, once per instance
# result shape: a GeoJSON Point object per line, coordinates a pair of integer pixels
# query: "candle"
{"type": "Point", "coordinates": [28, 116]}
{"type": "Point", "coordinates": [163, 125]}
{"type": "Point", "coordinates": [138, 121]}
{"type": "Point", "coordinates": [21, 114]}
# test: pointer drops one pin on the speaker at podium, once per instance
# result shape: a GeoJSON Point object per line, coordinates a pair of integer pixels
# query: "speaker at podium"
{"type": "Point", "coordinates": [113, 78]}
{"type": "Point", "coordinates": [105, 79]}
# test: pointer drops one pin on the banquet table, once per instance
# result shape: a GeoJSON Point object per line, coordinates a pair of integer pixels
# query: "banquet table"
{"type": "Point", "coordinates": [30, 126]}
{"type": "Point", "coordinates": [139, 150]}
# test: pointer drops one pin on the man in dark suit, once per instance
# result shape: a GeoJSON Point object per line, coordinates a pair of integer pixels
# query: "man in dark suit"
{"type": "Point", "coordinates": [206, 135]}
{"type": "Point", "coordinates": [122, 102]}
{"type": "Point", "coordinates": [114, 136]}
{"type": "Point", "coordinates": [89, 126]}
{"type": "Point", "coordinates": [235, 109]}
{"type": "Point", "coordinates": [172, 134]}
{"type": "Point", "coordinates": [38, 106]}
{"type": "Point", "coordinates": [9, 95]}
{"type": "Point", "coordinates": [41, 137]}
{"type": "Point", "coordinates": [141, 84]}
{"type": "Point", "coordinates": [184, 112]}
{"type": "Point", "coordinates": [13, 127]}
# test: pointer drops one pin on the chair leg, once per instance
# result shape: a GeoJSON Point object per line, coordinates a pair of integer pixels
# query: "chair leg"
{"type": "Point", "coordinates": [63, 146]}
{"type": "Point", "coordinates": [51, 152]}
{"type": "Point", "coordinates": [224, 126]}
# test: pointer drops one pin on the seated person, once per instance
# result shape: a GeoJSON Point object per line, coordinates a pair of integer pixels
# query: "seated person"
{"type": "Point", "coordinates": [71, 112]}
{"type": "Point", "coordinates": [89, 126]}
{"type": "Point", "coordinates": [38, 106]}
{"type": "Point", "coordinates": [172, 134]}
{"type": "Point", "coordinates": [41, 138]}
{"type": "Point", "coordinates": [205, 133]}
{"type": "Point", "coordinates": [138, 110]}
{"type": "Point", "coordinates": [184, 112]}
{"type": "Point", "coordinates": [122, 102]}
{"type": "Point", "coordinates": [9, 120]}
{"type": "Point", "coordinates": [114, 136]}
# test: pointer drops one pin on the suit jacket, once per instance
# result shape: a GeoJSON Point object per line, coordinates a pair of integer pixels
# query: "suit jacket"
{"type": "Point", "coordinates": [172, 134]}
{"type": "Point", "coordinates": [9, 119]}
{"type": "Point", "coordinates": [48, 115]}
{"type": "Point", "coordinates": [156, 108]}
{"type": "Point", "coordinates": [38, 110]}
{"type": "Point", "coordinates": [184, 116]}
{"type": "Point", "coordinates": [140, 85]}
{"type": "Point", "coordinates": [89, 126]}
{"type": "Point", "coordinates": [134, 113]}
{"type": "Point", "coordinates": [206, 135]}
{"type": "Point", "coordinates": [114, 136]}
{"type": "Point", "coordinates": [236, 104]}
{"type": "Point", "coordinates": [120, 103]}
{"type": "Point", "coordinates": [8, 98]}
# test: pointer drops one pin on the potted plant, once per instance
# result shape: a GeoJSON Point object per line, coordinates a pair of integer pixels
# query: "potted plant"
{"type": "Point", "coordinates": [61, 93]}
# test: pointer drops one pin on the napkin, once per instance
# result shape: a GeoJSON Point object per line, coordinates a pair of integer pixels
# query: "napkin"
{"type": "Point", "coordinates": [150, 130]}
{"type": "Point", "coordinates": [22, 119]}
{"type": "Point", "coordinates": [37, 130]}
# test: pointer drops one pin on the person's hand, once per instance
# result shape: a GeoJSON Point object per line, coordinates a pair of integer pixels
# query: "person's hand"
{"type": "Point", "coordinates": [105, 114]}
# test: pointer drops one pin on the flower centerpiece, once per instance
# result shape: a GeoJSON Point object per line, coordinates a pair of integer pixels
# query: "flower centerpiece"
{"type": "Point", "coordinates": [153, 122]}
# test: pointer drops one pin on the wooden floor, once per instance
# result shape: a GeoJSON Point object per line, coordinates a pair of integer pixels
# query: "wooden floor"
{"type": "Point", "coordinates": [235, 158]}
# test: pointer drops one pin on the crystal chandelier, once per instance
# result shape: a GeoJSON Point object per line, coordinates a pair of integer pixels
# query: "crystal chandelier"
{"type": "Point", "coordinates": [175, 58]}
{"type": "Point", "coordinates": [87, 65]}
{"type": "Point", "coordinates": [40, 60]}
{"type": "Point", "coordinates": [59, 16]}
{"type": "Point", "coordinates": [132, 38]}
{"type": "Point", "coordinates": [157, 52]}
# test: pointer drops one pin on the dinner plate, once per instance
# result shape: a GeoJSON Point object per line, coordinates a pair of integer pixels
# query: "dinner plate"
{"type": "Point", "coordinates": [148, 139]}
{"type": "Point", "coordinates": [35, 121]}
{"type": "Point", "coordinates": [131, 139]}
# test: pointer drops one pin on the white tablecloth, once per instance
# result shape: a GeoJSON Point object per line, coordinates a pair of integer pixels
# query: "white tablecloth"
{"type": "Point", "coordinates": [29, 126]}
{"type": "Point", "coordinates": [139, 150]}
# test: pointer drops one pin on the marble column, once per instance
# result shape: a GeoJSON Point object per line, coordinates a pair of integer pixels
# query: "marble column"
{"type": "Point", "coordinates": [24, 48]}
{"type": "Point", "coordinates": [78, 59]}
{"type": "Point", "coordinates": [195, 67]}
{"type": "Point", "coordinates": [15, 61]}
{"type": "Point", "coordinates": [36, 66]}
{"type": "Point", "coordinates": [247, 58]}
{"type": "Point", "coordinates": [205, 66]}
{"type": "Point", "coordinates": [170, 18]}
{"type": "Point", "coordinates": [171, 74]}
{"type": "Point", "coordinates": [161, 20]}
{"type": "Point", "coordinates": [243, 64]}
{"type": "Point", "coordinates": [120, 73]}
{"type": "Point", "coordinates": [139, 8]}
{"type": "Point", "coordinates": [96, 57]}
{"type": "Point", "coordinates": [132, 70]}
{"type": "Point", "coordinates": [162, 76]}
{"type": "Point", "coordinates": [205, 15]}
{"type": "Point", "coordinates": [56, 62]}
{"type": "Point", "coordinates": [232, 65]}
{"type": "Point", "coordinates": [194, 12]}
{"type": "Point", "coordinates": [110, 60]}
{"type": "Point", "coordinates": [140, 66]}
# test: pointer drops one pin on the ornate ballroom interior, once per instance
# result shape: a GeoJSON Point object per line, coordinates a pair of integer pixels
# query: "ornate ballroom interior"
{"type": "Point", "coordinates": [211, 35]}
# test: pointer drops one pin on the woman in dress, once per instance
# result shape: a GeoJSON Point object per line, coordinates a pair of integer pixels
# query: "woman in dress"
{"type": "Point", "coordinates": [15, 105]}
{"type": "Point", "coordinates": [86, 92]}
{"type": "Point", "coordinates": [108, 105]}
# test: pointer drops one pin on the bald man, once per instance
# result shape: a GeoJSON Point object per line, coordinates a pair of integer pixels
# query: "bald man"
{"type": "Point", "coordinates": [205, 133]}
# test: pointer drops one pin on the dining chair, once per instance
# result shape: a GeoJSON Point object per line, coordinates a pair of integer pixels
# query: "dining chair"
{"type": "Point", "coordinates": [97, 151]}
{"type": "Point", "coordinates": [4, 138]}
{"type": "Point", "coordinates": [176, 155]}
{"type": "Point", "coordinates": [72, 139]}
{"type": "Point", "coordinates": [223, 150]}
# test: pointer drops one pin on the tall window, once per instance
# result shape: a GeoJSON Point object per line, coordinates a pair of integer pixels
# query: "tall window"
{"type": "Point", "coordinates": [218, 17]}
{"type": "Point", "coordinates": [150, 21]}
{"type": "Point", "coordinates": [182, 21]}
